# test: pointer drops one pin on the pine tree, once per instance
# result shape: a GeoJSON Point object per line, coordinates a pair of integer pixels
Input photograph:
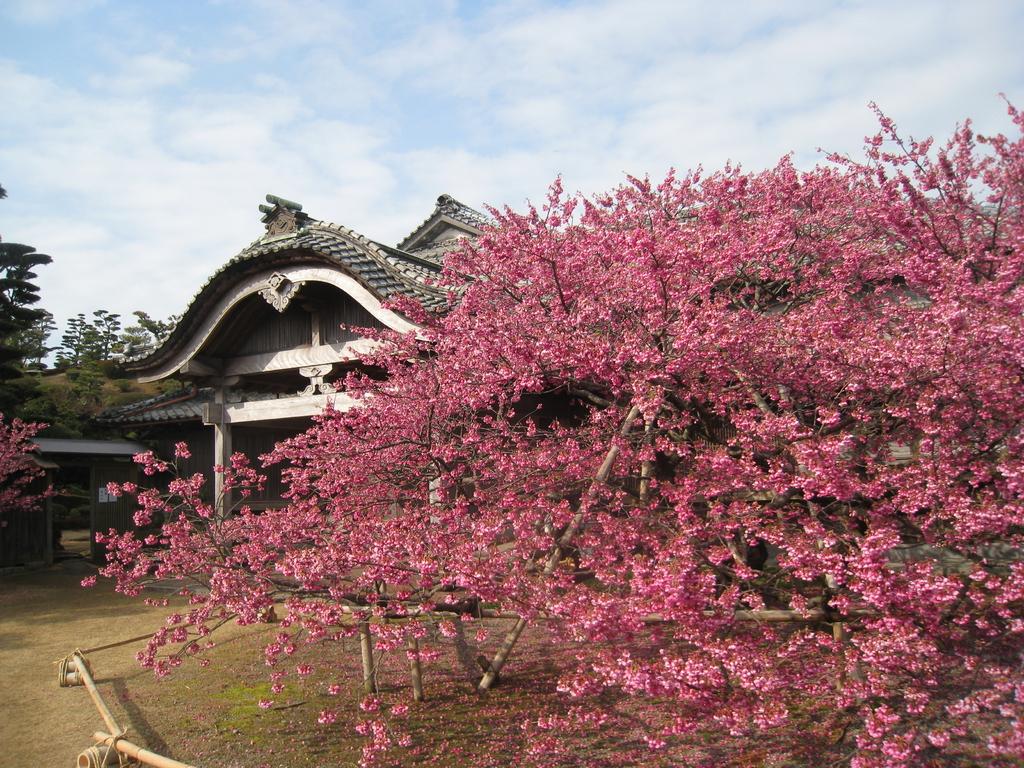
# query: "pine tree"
{"type": "Point", "coordinates": [108, 329]}
{"type": "Point", "coordinates": [73, 342]}
{"type": "Point", "coordinates": [17, 295]}
{"type": "Point", "coordinates": [34, 341]}
{"type": "Point", "coordinates": [145, 334]}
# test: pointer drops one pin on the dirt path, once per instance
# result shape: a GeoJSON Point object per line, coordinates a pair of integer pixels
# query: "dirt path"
{"type": "Point", "coordinates": [45, 615]}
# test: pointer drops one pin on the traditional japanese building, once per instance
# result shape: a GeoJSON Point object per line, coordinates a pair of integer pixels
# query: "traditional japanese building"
{"type": "Point", "coordinates": [264, 342]}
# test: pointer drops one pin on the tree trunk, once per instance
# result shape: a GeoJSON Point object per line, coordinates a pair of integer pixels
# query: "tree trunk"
{"type": "Point", "coordinates": [366, 649]}
{"type": "Point", "coordinates": [414, 668]}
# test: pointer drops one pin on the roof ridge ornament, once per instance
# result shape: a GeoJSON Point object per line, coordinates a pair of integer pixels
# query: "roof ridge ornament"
{"type": "Point", "coordinates": [282, 216]}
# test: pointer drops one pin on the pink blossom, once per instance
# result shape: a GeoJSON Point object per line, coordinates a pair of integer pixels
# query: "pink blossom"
{"type": "Point", "coordinates": [658, 421]}
{"type": "Point", "coordinates": [327, 717]}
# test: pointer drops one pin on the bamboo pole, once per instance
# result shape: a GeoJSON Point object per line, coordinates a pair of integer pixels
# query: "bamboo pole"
{"type": "Point", "coordinates": [98, 756]}
{"type": "Point", "coordinates": [414, 668]}
{"type": "Point", "coordinates": [118, 643]}
{"type": "Point", "coordinates": [556, 554]}
{"type": "Point", "coordinates": [90, 685]}
{"type": "Point", "coordinates": [366, 649]}
{"type": "Point", "coordinates": [138, 753]}
{"type": "Point", "coordinates": [767, 615]}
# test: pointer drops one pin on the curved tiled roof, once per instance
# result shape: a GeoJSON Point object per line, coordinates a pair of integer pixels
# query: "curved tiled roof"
{"type": "Point", "coordinates": [386, 272]}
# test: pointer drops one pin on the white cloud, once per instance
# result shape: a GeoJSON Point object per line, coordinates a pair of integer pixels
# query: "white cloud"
{"type": "Point", "coordinates": [144, 74]}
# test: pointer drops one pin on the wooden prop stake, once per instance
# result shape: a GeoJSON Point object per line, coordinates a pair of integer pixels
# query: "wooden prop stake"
{"type": "Point", "coordinates": [556, 554]}
{"type": "Point", "coordinates": [842, 636]}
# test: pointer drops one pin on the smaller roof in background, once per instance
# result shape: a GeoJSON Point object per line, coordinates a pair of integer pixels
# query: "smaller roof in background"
{"type": "Point", "coordinates": [52, 445]}
{"type": "Point", "coordinates": [448, 212]}
{"type": "Point", "coordinates": [180, 405]}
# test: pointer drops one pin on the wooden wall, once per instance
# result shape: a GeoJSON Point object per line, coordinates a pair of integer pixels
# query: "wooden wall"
{"type": "Point", "coordinates": [26, 536]}
{"type": "Point", "coordinates": [348, 313]}
{"type": "Point", "coordinates": [274, 331]}
{"type": "Point", "coordinates": [252, 441]}
{"type": "Point", "coordinates": [109, 512]}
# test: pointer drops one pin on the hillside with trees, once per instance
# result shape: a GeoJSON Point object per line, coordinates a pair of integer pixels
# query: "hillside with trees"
{"type": "Point", "coordinates": [88, 373]}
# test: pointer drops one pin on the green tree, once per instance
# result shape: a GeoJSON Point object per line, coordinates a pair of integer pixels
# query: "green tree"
{"type": "Point", "coordinates": [92, 341]}
{"type": "Point", "coordinates": [107, 330]}
{"type": "Point", "coordinates": [17, 295]}
{"type": "Point", "coordinates": [145, 333]}
{"type": "Point", "coordinates": [73, 343]}
{"type": "Point", "coordinates": [34, 341]}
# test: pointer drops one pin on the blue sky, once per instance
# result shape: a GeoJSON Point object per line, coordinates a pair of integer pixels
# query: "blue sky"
{"type": "Point", "coordinates": [137, 139]}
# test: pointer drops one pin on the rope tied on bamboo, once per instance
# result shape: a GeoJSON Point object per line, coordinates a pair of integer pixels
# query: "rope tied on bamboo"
{"type": "Point", "coordinates": [122, 759]}
{"type": "Point", "coordinates": [67, 671]}
{"type": "Point", "coordinates": [99, 755]}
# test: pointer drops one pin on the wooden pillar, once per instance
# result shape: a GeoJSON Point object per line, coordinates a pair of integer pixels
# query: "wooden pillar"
{"type": "Point", "coordinates": [94, 553]}
{"type": "Point", "coordinates": [48, 511]}
{"type": "Point", "coordinates": [221, 450]}
{"type": "Point", "coordinates": [316, 333]}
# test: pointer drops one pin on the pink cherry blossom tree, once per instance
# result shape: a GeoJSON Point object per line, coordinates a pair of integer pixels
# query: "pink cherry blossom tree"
{"type": "Point", "coordinates": [744, 441]}
{"type": "Point", "coordinates": [17, 470]}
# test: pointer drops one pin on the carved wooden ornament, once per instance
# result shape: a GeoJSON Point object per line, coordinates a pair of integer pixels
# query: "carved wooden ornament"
{"type": "Point", "coordinates": [280, 291]}
{"type": "Point", "coordinates": [315, 374]}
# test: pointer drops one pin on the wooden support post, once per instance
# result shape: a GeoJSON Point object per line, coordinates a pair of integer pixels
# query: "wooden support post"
{"type": "Point", "coordinates": [646, 468]}
{"type": "Point", "coordinates": [414, 668]}
{"type": "Point", "coordinates": [316, 336]}
{"type": "Point", "coordinates": [842, 636]}
{"type": "Point", "coordinates": [48, 511]}
{"type": "Point", "coordinates": [366, 649]}
{"type": "Point", "coordinates": [491, 675]}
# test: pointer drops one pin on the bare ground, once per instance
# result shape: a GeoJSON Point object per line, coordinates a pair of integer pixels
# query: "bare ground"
{"type": "Point", "coordinates": [211, 718]}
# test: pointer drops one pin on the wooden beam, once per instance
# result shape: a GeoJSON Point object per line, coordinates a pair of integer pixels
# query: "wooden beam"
{"type": "Point", "coordinates": [285, 408]}
{"type": "Point", "coordinates": [291, 359]}
{"type": "Point", "coordinates": [201, 366]}
{"type": "Point", "coordinates": [213, 413]}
